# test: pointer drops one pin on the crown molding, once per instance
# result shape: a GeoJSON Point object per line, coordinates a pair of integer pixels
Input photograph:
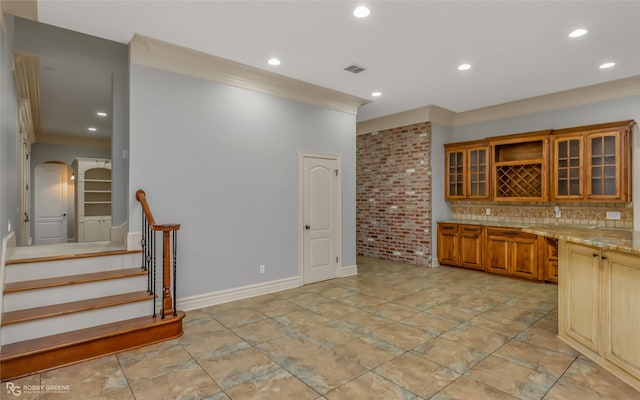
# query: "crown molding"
{"type": "Point", "coordinates": [618, 89]}
{"type": "Point", "coordinates": [26, 71]}
{"type": "Point", "coordinates": [158, 54]}
{"type": "Point", "coordinates": [72, 140]}
{"type": "Point", "coordinates": [430, 113]}
{"type": "Point", "coordinates": [20, 8]}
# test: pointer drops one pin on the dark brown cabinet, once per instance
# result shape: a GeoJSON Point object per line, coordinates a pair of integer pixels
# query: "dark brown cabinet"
{"type": "Point", "coordinates": [460, 245]}
{"type": "Point", "coordinates": [511, 252]}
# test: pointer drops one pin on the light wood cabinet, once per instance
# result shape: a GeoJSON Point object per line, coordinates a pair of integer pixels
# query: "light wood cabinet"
{"type": "Point", "coordinates": [511, 252]}
{"type": "Point", "coordinates": [599, 307]}
{"type": "Point", "coordinates": [93, 199]}
{"type": "Point", "coordinates": [467, 171]}
{"type": "Point", "coordinates": [592, 162]}
{"type": "Point", "coordinates": [549, 258]}
{"type": "Point", "coordinates": [460, 245]}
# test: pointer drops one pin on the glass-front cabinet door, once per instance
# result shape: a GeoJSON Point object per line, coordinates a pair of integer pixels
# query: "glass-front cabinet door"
{"type": "Point", "coordinates": [478, 173]}
{"type": "Point", "coordinates": [567, 168]}
{"type": "Point", "coordinates": [455, 171]}
{"type": "Point", "coordinates": [603, 169]}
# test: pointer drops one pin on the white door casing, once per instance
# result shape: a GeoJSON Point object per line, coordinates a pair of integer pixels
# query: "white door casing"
{"type": "Point", "coordinates": [25, 192]}
{"type": "Point", "coordinates": [320, 217]}
{"type": "Point", "coordinates": [50, 208]}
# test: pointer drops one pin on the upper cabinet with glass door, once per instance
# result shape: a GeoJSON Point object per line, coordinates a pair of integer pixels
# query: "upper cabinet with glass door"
{"type": "Point", "coordinates": [592, 162]}
{"type": "Point", "coordinates": [466, 170]}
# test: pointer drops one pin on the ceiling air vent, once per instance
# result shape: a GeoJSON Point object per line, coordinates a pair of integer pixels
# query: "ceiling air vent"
{"type": "Point", "coordinates": [356, 69]}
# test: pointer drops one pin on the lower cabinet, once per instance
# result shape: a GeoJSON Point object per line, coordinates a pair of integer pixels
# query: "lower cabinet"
{"type": "Point", "coordinates": [599, 307]}
{"type": "Point", "coordinates": [511, 252]}
{"type": "Point", "coordinates": [460, 245]}
{"type": "Point", "coordinates": [549, 258]}
{"type": "Point", "coordinates": [94, 229]}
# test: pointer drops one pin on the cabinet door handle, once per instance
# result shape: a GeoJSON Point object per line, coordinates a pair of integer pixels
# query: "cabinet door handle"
{"type": "Point", "coordinates": [595, 254]}
{"type": "Point", "coordinates": [604, 257]}
{"type": "Point", "coordinates": [471, 229]}
{"type": "Point", "coordinates": [510, 233]}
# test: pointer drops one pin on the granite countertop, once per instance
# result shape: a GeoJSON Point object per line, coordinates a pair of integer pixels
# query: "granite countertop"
{"type": "Point", "coordinates": [622, 240]}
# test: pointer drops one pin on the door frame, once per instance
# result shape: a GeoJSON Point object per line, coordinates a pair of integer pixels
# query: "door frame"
{"type": "Point", "coordinates": [328, 156]}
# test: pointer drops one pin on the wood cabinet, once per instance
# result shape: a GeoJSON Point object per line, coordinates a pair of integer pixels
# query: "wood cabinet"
{"type": "Point", "coordinates": [592, 162]}
{"type": "Point", "coordinates": [510, 251]}
{"type": "Point", "coordinates": [599, 307]}
{"type": "Point", "coordinates": [549, 258]}
{"type": "Point", "coordinates": [460, 245]}
{"type": "Point", "coordinates": [93, 199]}
{"type": "Point", "coordinates": [520, 167]}
{"type": "Point", "coordinates": [467, 171]}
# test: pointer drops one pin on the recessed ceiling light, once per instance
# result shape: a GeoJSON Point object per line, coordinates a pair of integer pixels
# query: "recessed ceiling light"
{"type": "Point", "coordinates": [376, 94]}
{"type": "Point", "coordinates": [101, 114]}
{"type": "Point", "coordinates": [92, 129]}
{"type": "Point", "coordinates": [274, 61]}
{"type": "Point", "coordinates": [607, 65]}
{"type": "Point", "coordinates": [578, 32]}
{"type": "Point", "coordinates": [464, 67]}
{"type": "Point", "coordinates": [361, 12]}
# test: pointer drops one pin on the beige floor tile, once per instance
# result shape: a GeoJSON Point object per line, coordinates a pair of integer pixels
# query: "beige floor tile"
{"type": "Point", "coordinates": [431, 323]}
{"type": "Point", "coordinates": [400, 335]}
{"type": "Point", "coordinates": [363, 322]}
{"type": "Point", "coordinates": [361, 300]}
{"type": "Point", "coordinates": [261, 331]}
{"type": "Point", "coordinates": [302, 319]}
{"type": "Point", "coordinates": [325, 371]}
{"type": "Point", "coordinates": [370, 386]}
{"type": "Point", "coordinates": [333, 309]}
{"type": "Point", "coordinates": [337, 292]}
{"type": "Point", "coordinates": [286, 349]}
{"type": "Point", "coordinates": [479, 339]}
{"type": "Point", "coordinates": [417, 375]}
{"type": "Point", "coordinates": [368, 351]}
{"type": "Point", "coordinates": [476, 302]}
{"type": "Point", "coordinates": [276, 385]}
{"type": "Point", "coordinates": [329, 333]}
{"type": "Point", "coordinates": [451, 312]}
{"type": "Point", "coordinates": [587, 374]}
{"type": "Point", "coordinates": [468, 389]}
{"type": "Point", "coordinates": [151, 361]}
{"type": "Point", "coordinates": [94, 378]}
{"type": "Point", "coordinates": [512, 378]}
{"type": "Point", "coordinates": [453, 355]}
{"type": "Point", "coordinates": [239, 317]}
{"type": "Point", "coordinates": [391, 311]}
{"type": "Point", "coordinates": [278, 307]}
{"type": "Point", "coordinates": [542, 337]}
{"type": "Point", "coordinates": [539, 359]}
{"type": "Point", "coordinates": [212, 344]}
{"type": "Point", "coordinates": [309, 299]}
{"type": "Point", "coordinates": [187, 381]}
{"type": "Point", "coordinates": [236, 368]}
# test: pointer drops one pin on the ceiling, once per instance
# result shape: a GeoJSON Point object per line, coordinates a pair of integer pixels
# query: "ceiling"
{"type": "Point", "coordinates": [410, 49]}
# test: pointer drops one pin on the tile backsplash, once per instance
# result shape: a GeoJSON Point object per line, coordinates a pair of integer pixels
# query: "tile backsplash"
{"type": "Point", "coordinates": [576, 213]}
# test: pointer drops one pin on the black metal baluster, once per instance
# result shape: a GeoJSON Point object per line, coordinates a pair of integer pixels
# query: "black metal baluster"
{"type": "Point", "coordinates": [153, 269]}
{"type": "Point", "coordinates": [163, 277]}
{"type": "Point", "coordinates": [175, 258]}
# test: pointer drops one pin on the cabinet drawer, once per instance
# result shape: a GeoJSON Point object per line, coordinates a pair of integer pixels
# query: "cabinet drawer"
{"type": "Point", "coordinates": [448, 227]}
{"type": "Point", "coordinates": [470, 229]}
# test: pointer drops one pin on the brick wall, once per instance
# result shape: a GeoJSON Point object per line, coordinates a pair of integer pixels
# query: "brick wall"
{"type": "Point", "coordinates": [394, 194]}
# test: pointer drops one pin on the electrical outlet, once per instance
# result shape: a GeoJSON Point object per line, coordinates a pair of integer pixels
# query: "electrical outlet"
{"type": "Point", "coordinates": [487, 211]}
{"type": "Point", "coordinates": [613, 215]}
{"type": "Point", "coordinates": [557, 211]}
{"type": "Point", "coordinates": [9, 226]}
{"type": "Point", "coordinates": [262, 268]}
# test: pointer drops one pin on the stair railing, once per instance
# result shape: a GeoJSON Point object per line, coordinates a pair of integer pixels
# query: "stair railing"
{"type": "Point", "coordinates": [169, 257]}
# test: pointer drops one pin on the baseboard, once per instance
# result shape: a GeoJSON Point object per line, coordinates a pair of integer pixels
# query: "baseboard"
{"type": "Point", "coordinates": [244, 292]}
{"type": "Point", "coordinates": [349, 270]}
{"type": "Point", "coordinates": [119, 232]}
{"type": "Point", "coordinates": [133, 241]}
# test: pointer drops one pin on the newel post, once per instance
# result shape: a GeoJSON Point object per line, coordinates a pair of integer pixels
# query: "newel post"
{"type": "Point", "coordinates": [167, 300]}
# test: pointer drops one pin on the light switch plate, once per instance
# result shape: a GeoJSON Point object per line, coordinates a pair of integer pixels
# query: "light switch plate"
{"type": "Point", "coordinates": [613, 215]}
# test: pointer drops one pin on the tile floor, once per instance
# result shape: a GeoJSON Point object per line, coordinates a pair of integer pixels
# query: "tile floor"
{"type": "Point", "coordinates": [393, 332]}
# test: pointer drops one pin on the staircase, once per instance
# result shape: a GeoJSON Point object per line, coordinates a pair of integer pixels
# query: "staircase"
{"type": "Point", "coordinates": [63, 309]}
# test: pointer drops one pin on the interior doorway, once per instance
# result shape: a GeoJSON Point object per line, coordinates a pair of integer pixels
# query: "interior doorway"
{"type": "Point", "coordinates": [51, 202]}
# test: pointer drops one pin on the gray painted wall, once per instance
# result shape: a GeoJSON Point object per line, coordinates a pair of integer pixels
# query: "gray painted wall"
{"type": "Point", "coordinates": [223, 162]}
{"type": "Point", "coordinates": [608, 111]}
{"type": "Point", "coordinates": [440, 209]}
{"type": "Point", "coordinates": [9, 135]}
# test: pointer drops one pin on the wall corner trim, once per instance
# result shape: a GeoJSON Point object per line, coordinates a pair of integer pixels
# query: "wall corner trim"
{"type": "Point", "coordinates": [162, 55]}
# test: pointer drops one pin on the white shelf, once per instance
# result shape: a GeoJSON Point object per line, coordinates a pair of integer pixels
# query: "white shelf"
{"type": "Point", "coordinates": [98, 180]}
{"type": "Point", "coordinates": [97, 202]}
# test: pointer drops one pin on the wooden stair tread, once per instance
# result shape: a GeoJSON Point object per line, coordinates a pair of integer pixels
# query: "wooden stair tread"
{"type": "Point", "coordinates": [30, 314]}
{"type": "Point", "coordinates": [71, 256]}
{"type": "Point", "coordinates": [20, 349]}
{"type": "Point", "coordinates": [13, 287]}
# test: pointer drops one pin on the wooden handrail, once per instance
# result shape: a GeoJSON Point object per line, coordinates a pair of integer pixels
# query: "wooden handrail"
{"type": "Point", "coordinates": [168, 303]}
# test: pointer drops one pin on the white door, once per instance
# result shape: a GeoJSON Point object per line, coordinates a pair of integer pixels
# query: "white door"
{"type": "Point", "coordinates": [50, 190]}
{"type": "Point", "coordinates": [320, 218]}
{"type": "Point", "coordinates": [25, 193]}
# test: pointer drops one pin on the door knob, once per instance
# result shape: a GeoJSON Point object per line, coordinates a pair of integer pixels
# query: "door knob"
{"type": "Point", "coordinates": [307, 227]}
